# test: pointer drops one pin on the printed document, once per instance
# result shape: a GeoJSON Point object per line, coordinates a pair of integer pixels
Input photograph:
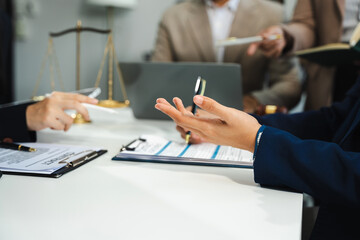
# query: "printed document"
{"type": "Point", "coordinates": [47, 158]}
{"type": "Point", "coordinates": [159, 149]}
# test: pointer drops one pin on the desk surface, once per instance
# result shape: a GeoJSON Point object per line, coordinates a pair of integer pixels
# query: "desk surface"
{"type": "Point", "coordinates": [107, 199]}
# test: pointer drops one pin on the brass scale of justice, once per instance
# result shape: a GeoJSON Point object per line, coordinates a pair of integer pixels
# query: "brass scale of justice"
{"type": "Point", "coordinates": [109, 50]}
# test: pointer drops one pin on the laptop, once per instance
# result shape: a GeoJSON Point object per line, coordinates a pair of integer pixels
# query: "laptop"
{"type": "Point", "coordinates": [147, 81]}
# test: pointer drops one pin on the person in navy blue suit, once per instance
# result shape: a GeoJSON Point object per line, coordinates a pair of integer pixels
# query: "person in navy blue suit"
{"type": "Point", "coordinates": [315, 152]}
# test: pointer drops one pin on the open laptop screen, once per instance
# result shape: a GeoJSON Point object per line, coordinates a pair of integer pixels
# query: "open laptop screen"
{"type": "Point", "coordinates": [147, 81]}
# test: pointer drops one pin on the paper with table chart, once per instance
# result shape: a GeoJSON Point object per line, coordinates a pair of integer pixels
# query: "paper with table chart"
{"type": "Point", "coordinates": [48, 159]}
{"type": "Point", "coordinates": [150, 148]}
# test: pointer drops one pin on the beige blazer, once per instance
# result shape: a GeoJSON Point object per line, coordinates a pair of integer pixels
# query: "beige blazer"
{"type": "Point", "coordinates": [184, 35]}
{"type": "Point", "coordinates": [315, 23]}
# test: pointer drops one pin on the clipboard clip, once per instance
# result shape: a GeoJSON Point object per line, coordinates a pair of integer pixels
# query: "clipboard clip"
{"type": "Point", "coordinates": [78, 161]}
{"type": "Point", "coordinates": [130, 146]}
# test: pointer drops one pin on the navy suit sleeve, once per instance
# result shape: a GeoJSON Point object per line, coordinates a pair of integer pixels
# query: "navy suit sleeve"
{"type": "Point", "coordinates": [319, 168]}
{"type": "Point", "coordinates": [13, 124]}
{"type": "Point", "coordinates": [320, 125]}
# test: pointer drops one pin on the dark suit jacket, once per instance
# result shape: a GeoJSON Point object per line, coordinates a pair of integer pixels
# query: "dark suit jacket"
{"type": "Point", "coordinates": [6, 52]}
{"type": "Point", "coordinates": [13, 124]}
{"type": "Point", "coordinates": [317, 152]}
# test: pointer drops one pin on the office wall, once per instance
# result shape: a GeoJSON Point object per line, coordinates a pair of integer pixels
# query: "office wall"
{"type": "Point", "coordinates": [135, 32]}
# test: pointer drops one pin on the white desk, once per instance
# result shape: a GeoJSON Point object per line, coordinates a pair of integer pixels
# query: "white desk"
{"type": "Point", "coordinates": [107, 199]}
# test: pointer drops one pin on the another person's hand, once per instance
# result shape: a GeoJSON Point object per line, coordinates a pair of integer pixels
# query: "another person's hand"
{"type": "Point", "coordinates": [50, 112]}
{"type": "Point", "coordinates": [230, 127]}
{"type": "Point", "coordinates": [270, 48]}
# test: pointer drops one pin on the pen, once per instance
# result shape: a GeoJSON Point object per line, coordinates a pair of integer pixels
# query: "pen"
{"type": "Point", "coordinates": [93, 94]}
{"type": "Point", "coordinates": [239, 41]}
{"type": "Point", "coordinates": [199, 90]}
{"type": "Point", "coordinates": [15, 146]}
{"type": "Point", "coordinates": [96, 107]}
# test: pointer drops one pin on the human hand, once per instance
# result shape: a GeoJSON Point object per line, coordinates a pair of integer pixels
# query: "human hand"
{"type": "Point", "coordinates": [50, 112]}
{"type": "Point", "coordinates": [270, 48]}
{"type": "Point", "coordinates": [194, 138]}
{"type": "Point", "coordinates": [230, 126]}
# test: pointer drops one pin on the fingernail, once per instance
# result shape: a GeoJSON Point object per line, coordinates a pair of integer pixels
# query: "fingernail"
{"type": "Point", "coordinates": [198, 100]}
{"type": "Point", "coordinates": [94, 101]}
{"type": "Point", "coordinates": [159, 100]}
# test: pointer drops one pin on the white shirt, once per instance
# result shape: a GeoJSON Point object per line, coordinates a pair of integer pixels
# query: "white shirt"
{"type": "Point", "coordinates": [351, 18]}
{"type": "Point", "coordinates": [221, 19]}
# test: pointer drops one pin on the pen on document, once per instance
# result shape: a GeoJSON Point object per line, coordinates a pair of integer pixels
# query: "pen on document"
{"type": "Point", "coordinates": [199, 90]}
{"type": "Point", "coordinates": [15, 146]}
{"type": "Point", "coordinates": [239, 41]}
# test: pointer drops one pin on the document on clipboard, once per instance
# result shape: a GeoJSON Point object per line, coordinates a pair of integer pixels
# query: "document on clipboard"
{"type": "Point", "coordinates": [157, 149]}
{"type": "Point", "coordinates": [49, 160]}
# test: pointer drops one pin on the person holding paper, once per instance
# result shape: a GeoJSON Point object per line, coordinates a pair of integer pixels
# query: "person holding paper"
{"type": "Point", "coordinates": [189, 31]}
{"type": "Point", "coordinates": [316, 23]}
{"type": "Point", "coordinates": [315, 152]}
{"type": "Point", "coordinates": [19, 123]}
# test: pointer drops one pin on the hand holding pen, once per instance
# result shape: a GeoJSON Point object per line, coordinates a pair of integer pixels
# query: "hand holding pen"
{"type": "Point", "coordinates": [240, 41]}
{"type": "Point", "coordinates": [95, 93]}
{"type": "Point", "coordinates": [50, 111]}
{"type": "Point", "coordinates": [270, 48]}
{"type": "Point", "coordinates": [199, 90]}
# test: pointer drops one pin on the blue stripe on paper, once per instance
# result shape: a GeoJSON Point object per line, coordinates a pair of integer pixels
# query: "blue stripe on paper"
{"type": "Point", "coordinates": [183, 152]}
{"type": "Point", "coordinates": [216, 152]}
{"type": "Point", "coordinates": [161, 150]}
